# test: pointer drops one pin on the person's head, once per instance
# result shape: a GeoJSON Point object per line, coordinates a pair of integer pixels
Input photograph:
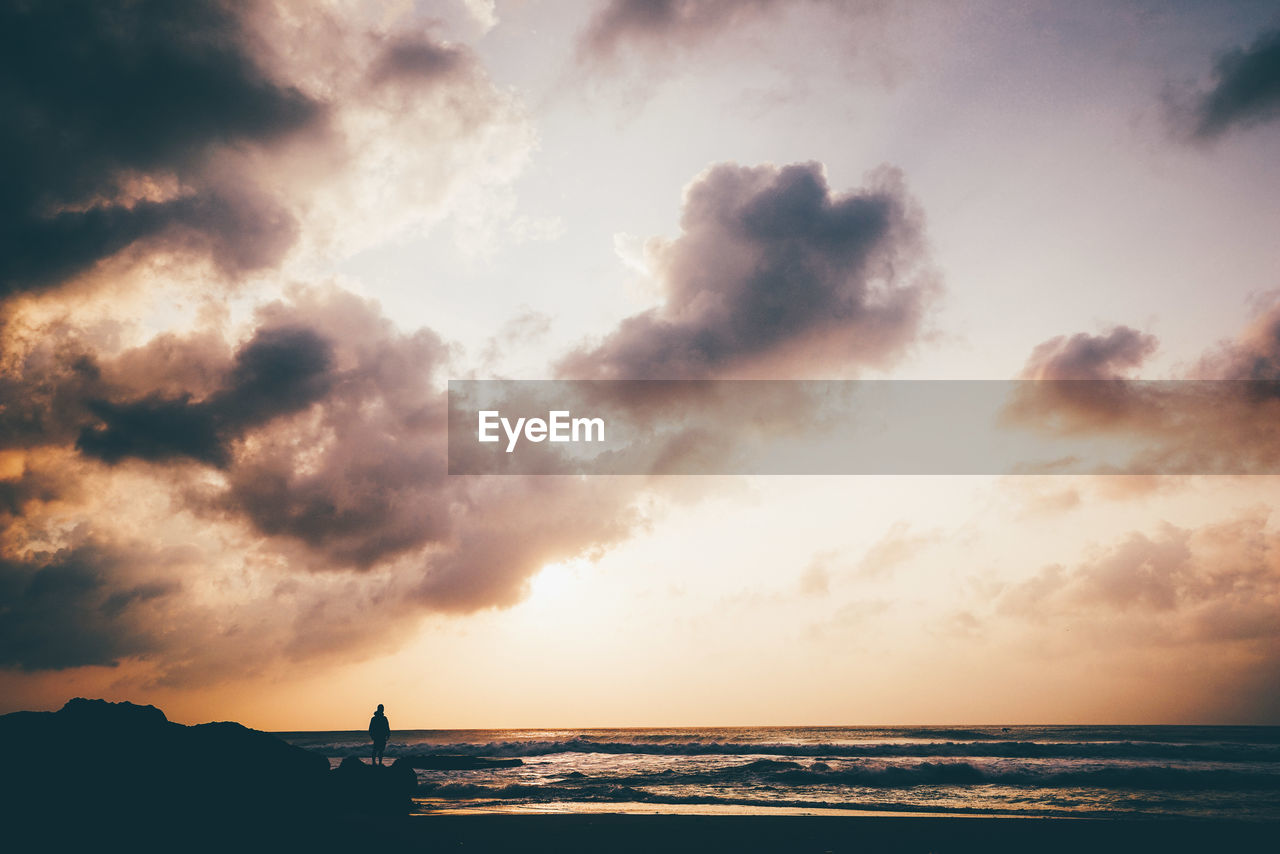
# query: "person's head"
{"type": "Point", "coordinates": [379, 708]}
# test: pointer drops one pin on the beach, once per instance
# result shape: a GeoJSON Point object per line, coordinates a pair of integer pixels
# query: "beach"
{"type": "Point", "coordinates": [609, 832]}
{"type": "Point", "coordinates": [625, 833]}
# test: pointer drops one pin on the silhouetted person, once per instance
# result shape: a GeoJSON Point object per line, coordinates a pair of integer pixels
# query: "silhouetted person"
{"type": "Point", "coordinates": [379, 731]}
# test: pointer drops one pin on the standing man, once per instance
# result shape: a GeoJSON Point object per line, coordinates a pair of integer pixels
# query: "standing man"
{"type": "Point", "coordinates": [379, 731]}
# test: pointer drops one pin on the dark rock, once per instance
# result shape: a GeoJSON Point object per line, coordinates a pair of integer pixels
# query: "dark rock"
{"type": "Point", "coordinates": [101, 714]}
{"type": "Point", "coordinates": [358, 787]}
{"type": "Point", "coordinates": [128, 770]}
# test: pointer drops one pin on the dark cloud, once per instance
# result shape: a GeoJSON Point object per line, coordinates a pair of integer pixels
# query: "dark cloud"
{"type": "Point", "coordinates": [1244, 91]}
{"type": "Point", "coordinates": [775, 275]}
{"type": "Point", "coordinates": [1083, 384]}
{"type": "Point", "coordinates": [1219, 419]}
{"type": "Point", "coordinates": [518, 525]}
{"type": "Point", "coordinates": [152, 429]}
{"type": "Point", "coordinates": [74, 607]}
{"type": "Point", "coordinates": [418, 59]}
{"type": "Point", "coordinates": [101, 98]}
{"type": "Point", "coordinates": [1253, 355]}
{"type": "Point", "coordinates": [1090, 357]}
{"type": "Point", "coordinates": [42, 396]}
{"type": "Point", "coordinates": [330, 428]}
{"type": "Point", "coordinates": [280, 371]}
{"type": "Point", "coordinates": [329, 425]}
{"type": "Point", "coordinates": [661, 23]}
{"type": "Point", "coordinates": [32, 485]}
{"type": "Point", "coordinates": [311, 445]}
{"type": "Point", "coordinates": [365, 481]}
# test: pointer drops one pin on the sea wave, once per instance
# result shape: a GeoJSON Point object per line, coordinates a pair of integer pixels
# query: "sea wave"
{"type": "Point", "coordinates": [794, 775]}
{"type": "Point", "coordinates": [1057, 775]}
{"type": "Point", "coordinates": [1226, 752]}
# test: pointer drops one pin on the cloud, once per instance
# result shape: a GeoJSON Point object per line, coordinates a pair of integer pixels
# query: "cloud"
{"type": "Point", "coordinates": [1217, 419]}
{"type": "Point", "coordinates": [361, 479]}
{"type": "Point", "coordinates": [896, 547]}
{"type": "Point", "coordinates": [416, 132]}
{"type": "Point", "coordinates": [774, 275]}
{"type": "Point", "coordinates": [234, 133]}
{"type": "Point", "coordinates": [525, 328]}
{"type": "Point", "coordinates": [27, 480]}
{"type": "Point", "coordinates": [816, 578]}
{"type": "Point", "coordinates": [1183, 600]}
{"type": "Point", "coordinates": [1079, 382]}
{"type": "Point", "coordinates": [1253, 355]}
{"type": "Point", "coordinates": [1217, 583]}
{"type": "Point", "coordinates": [111, 114]}
{"type": "Point", "coordinates": [361, 476]}
{"type": "Point", "coordinates": [326, 421]}
{"type": "Point", "coordinates": [517, 525]}
{"type": "Point", "coordinates": [1057, 495]}
{"type": "Point", "coordinates": [77, 607]}
{"type": "Point", "coordinates": [415, 59]}
{"type": "Point", "coordinates": [1090, 357]}
{"type": "Point", "coordinates": [629, 47]}
{"type": "Point", "coordinates": [298, 474]}
{"type": "Point", "coordinates": [43, 391]}
{"type": "Point", "coordinates": [651, 24]}
{"type": "Point", "coordinates": [1244, 91]}
{"type": "Point", "coordinates": [195, 398]}
{"type": "Point", "coordinates": [280, 371]}
{"type": "Point", "coordinates": [229, 497]}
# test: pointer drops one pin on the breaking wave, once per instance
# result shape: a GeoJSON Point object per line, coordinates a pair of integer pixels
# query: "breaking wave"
{"type": "Point", "coordinates": [995, 749]}
{"type": "Point", "coordinates": [881, 775]}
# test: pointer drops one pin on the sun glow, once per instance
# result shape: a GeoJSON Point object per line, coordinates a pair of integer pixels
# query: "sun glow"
{"type": "Point", "coordinates": [556, 582]}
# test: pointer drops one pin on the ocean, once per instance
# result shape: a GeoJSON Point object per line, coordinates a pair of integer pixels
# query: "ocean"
{"type": "Point", "coordinates": [1115, 772]}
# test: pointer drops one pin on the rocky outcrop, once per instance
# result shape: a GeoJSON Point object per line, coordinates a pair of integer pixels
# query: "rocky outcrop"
{"type": "Point", "coordinates": [99, 759]}
{"type": "Point", "coordinates": [373, 789]}
{"type": "Point", "coordinates": [97, 771]}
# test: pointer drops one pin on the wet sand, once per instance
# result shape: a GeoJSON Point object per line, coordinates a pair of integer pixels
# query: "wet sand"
{"type": "Point", "coordinates": [666, 834]}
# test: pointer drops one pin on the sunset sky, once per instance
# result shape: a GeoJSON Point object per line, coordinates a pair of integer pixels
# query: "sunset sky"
{"type": "Point", "coordinates": [244, 247]}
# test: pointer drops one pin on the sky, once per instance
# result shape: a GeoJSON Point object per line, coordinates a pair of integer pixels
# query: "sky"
{"type": "Point", "coordinates": [247, 245]}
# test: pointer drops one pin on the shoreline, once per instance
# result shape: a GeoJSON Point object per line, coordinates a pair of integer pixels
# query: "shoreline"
{"type": "Point", "coordinates": [630, 833]}
{"type": "Point", "coordinates": [669, 833]}
{"type": "Point", "coordinates": [424, 808]}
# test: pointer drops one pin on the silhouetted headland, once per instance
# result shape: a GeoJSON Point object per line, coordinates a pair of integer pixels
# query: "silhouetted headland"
{"type": "Point", "coordinates": [125, 771]}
